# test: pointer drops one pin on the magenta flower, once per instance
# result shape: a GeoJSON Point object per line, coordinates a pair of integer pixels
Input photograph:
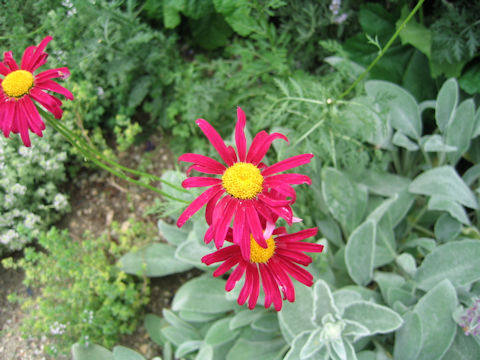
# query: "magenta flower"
{"type": "Point", "coordinates": [248, 192]}
{"type": "Point", "coordinates": [19, 87]}
{"type": "Point", "coordinates": [271, 266]}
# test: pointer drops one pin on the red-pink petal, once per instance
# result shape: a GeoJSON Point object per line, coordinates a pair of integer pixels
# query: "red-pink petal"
{"type": "Point", "coordinates": [264, 146]}
{"type": "Point", "coordinates": [295, 256]}
{"type": "Point", "coordinates": [227, 265]}
{"type": "Point", "coordinates": [270, 286]}
{"type": "Point", "coordinates": [216, 140]}
{"type": "Point", "coordinates": [200, 182]}
{"type": "Point", "coordinates": [197, 204]}
{"type": "Point", "coordinates": [203, 161]}
{"type": "Point", "coordinates": [247, 286]}
{"type": "Point", "coordinates": [10, 61]}
{"type": "Point", "coordinates": [299, 235]}
{"type": "Point", "coordinates": [8, 111]}
{"type": "Point", "coordinates": [236, 274]}
{"type": "Point", "coordinates": [240, 139]}
{"type": "Point", "coordinates": [282, 278]}
{"type": "Point", "coordinates": [257, 142]}
{"type": "Point", "coordinates": [222, 227]}
{"type": "Point", "coordinates": [53, 86]}
{"type": "Point", "coordinates": [304, 246]}
{"type": "Point", "coordinates": [287, 164]}
{"type": "Point", "coordinates": [289, 179]}
{"type": "Point", "coordinates": [51, 103]}
{"type": "Point", "coordinates": [62, 72]}
{"type": "Point", "coordinates": [220, 255]}
{"type": "Point", "coordinates": [296, 272]}
{"type": "Point", "coordinates": [255, 291]}
{"type": "Point", "coordinates": [272, 202]}
{"type": "Point", "coordinates": [4, 70]}
{"type": "Point", "coordinates": [39, 57]}
{"type": "Point", "coordinates": [255, 226]}
{"type": "Point", "coordinates": [212, 203]}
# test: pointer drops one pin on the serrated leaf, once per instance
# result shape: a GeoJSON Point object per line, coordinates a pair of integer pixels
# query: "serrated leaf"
{"type": "Point", "coordinates": [444, 181]}
{"type": "Point", "coordinates": [124, 353]}
{"type": "Point", "coordinates": [447, 101]}
{"type": "Point", "coordinates": [408, 339]}
{"type": "Point", "coordinates": [456, 261]}
{"type": "Point", "coordinates": [91, 352]}
{"type": "Point", "coordinates": [459, 131]}
{"type": "Point", "coordinates": [202, 294]}
{"type": "Point", "coordinates": [345, 200]}
{"type": "Point", "coordinates": [360, 252]}
{"type": "Point", "coordinates": [154, 260]}
{"type": "Point", "coordinates": [456, 210]}
{"type": "Point", "coordinates": [323, 302]}
{"type": "Point", "coordinates": [376, 318]}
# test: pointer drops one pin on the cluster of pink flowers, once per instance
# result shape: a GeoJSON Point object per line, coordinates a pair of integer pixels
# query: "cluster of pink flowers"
{"type": "Point", "coordinates": [243, 203]}
{"type": "Point", "coordinates": [20, 87]}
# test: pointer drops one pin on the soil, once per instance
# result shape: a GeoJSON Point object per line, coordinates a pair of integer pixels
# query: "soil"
{"type": "Point", "coordinates": [97, 199]}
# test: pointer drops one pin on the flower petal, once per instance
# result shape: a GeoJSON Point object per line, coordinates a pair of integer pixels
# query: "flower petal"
{"type": "Point", "coordinates": [216, 140]}
{"type": "Point", "coordinates": [10, 61]}
{"type": "Point", "coordinates": [255, 290]}
{"type": "Point", "coordinates": [296, 272]}
{"type": "Point", "coordinates": [240, 139]}
{"type": "Point", "coordinates": [299, 235]}
{"type": "Point", "coordinates": [289, 179]}
{"type": "Point", "coordinates": [257, 142]}
{"type": "Point", "coordinates": [236, 275]}
{"type": "Point", "coordinates": [220, 255]}
{"type": "Point", "coordinates": [212, 203]}
{"type": "Point", "coordinates": [264, 146]}
{"type": "Point", "coordinates": [247, 286]}
{"type": "Point", "coordinates": [287, 164]}
{"type": "Point", "coordinates": [62, 72]}
{"type": "Point", "coordinates": [203, 161]}
{"type": "Point", "coordinates": [222, 227]}
{"type": "Point", "coordinates": [270, 286]}
{"type": "Point", "coordinates": [200, 182]}
{"type": "Point", "coordinates": [53, 86]}
{"type": "Point", "coordinates": [197, 204]}
{"type": "Point", "coordinates": [255, 226]}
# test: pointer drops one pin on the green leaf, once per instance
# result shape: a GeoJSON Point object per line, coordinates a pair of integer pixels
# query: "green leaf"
{"type": "Point", "coordinates": [91, 352]}
{"type": "Point", "coordinates": [211, 31]}
{"type": "Point", "coordinates": [402, 140]}
{"type": "Point", "coordinates": [171, 9]}
{"type": "Point", "coordinates": [472, 174]}
{"type": "Point", "coordinates": [193, 316]}
{"type": "Point", "coordinates": [245, 317]}
{"type": "Point", "coordinates": [456, 210]}
{"type": "Point", "coordinates": [140, 91]}
{"type": "Point", "coordinates": [330, 229]}
{"type": "Point", "coordinates": [175, 321]}
{"type": "Point", "coordinates": [187, 347]}
{"type": "Point", "coordinates": [447, 101]}
{"type": "Point", "coordinates": [172, 233]}
{"type": "Point", "coordinates": [384, 184]}
{"type": "Point", "coordinates": [154, 260]}
{"type": "Point", "coordinates": [297, 316]}
{"type": "Point", "coordinates": [408, 339]}
{"type": "Point", "coordinates": [435, 310]}
{"type": "Point", "coordinates": [456, 261]}
{"type": "Point", "coordinates": [463, 348]}
{"type": "Point", "coordinates": [359, 253]}
{"type": "Point", "coordinates": [407, 263]}
{"type": "Point", "coordinates": [179, 335]}
{"type": "Point", "coordinates": [191, 252]}
{"type": "Point", "coordinates": [376, 318]}
{"type": "Point", "coordinates": [435, 143]}
{"type": "Point", "coordinates": [459, 131]}
{"type": "Point", "coordinates": [154, 325]}
{"type": "Point", "coordinates": [385, 244]}
{"type": "Point", "coordinates": [470, 80]}
{"type": "Point", "coordinates": [313, 344]}
{"type": "Point", "coordinates": [376, 20]}
{"type": "Point", "coordinates": [447, 228]}
{"type": "Point", "coordinates": [256, 350]}
{"type": "Point", "coordinates": [415, 33]}
{"type": "Point", "coordinates": [345, 200]}
{"type": "Point", "coordinates": [323, 302]}
{"type": "Point", "coordinates": [403, 108]}
{"type": "Point", "coordinates": [344, 297]}
{"type": "Point", "coordinates": [355, 329]}
{"type": "Point", "coordinates": [444, 181]}
{"type": "Point", "coordinates": [268, 322]}
{"type": "Point", "coordinates": [220, 333]}
{"type": "Point", "coordinates": [203, 295]}
{"type": "Point", "coordinates": [124, 353]}
{"type": "Point", "coordinates": [297, 346]}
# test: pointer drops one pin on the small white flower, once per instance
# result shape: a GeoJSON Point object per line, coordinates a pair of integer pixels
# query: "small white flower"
{"type": "Point", "coordinates": [18, 189]}
{"type": "Point", "coordinates": [8, 236]}
{"type": "Point", "coordinates": [31, 220]}
{"type": "Point", "coordinates": [60, 202]}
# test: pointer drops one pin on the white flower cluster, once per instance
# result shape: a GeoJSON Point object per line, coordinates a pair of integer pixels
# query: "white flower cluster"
{"type": "Point", "coordinates": [57, 328]}
{"type": "Point", "coordinates": [335, 9]}
{"type": "Point", "coordinates": [87, 316]}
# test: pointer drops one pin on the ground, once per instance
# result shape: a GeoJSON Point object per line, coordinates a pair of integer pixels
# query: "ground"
{"type": "Point", "coordinates": [97, 199]}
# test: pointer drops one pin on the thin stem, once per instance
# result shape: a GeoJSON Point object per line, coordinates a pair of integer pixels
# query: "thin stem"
{"type": "Point", "coordinates": [384, 50]}
{"type": "Point", "coordinates": [88, 155]}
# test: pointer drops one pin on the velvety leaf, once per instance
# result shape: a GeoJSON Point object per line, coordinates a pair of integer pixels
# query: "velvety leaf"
{"type": "Point", "coordinates": [343, 297]}
{"type": "Point", "coordinates": [376, 318]}
{"type": "Point", "coordinates": [154, 325]}
{"type": "Point", "coordinates": [444, 181]}
{"type": "Point", "coordinates": [435, 310]}
{"type": "Point", "coordinates": [456, 261]}
{"type": "Point", "coordinates": [124, 353]}
{"type": "Point", "coordinates": [472, 174]}
{"type": "Point", "coordinates": [181, 334]}
{"type": "Point", "coordinates": [256, 350]}
{"type": "Point", "coordinates": [202, 294]}
{"type": "Point", "coordinates": [435, 143]}
{"type": "Point", "coordinates": [447, 101]}
{"type": "Point", "coordinates": [172, 233]}
{"type": "Point", "coordinates": [191, 252]}
{"type": "Point", "coordinates": [193, 316]}
{"type": "Point", "coordinates": [187, 347]}
{"type": "Point", "coordinates": [175, 321]}
{"type": "Point", "coordinates": [330, 229]}
{"type": "Point", "coordinates": [268, 322]}
{"type": "Point", "coordinates": [245, 317]}
{"type": "Point", "coordinates": [313, 344]}
{"type": "Point", "coordinates": [323, 302]}
{"type": "Point", "coordinates": [463, 348]}
{"type": "Point", "coordinates": [408, 339]}
{"type": "Point", "coordinates": [384, 184]}
{"type": "Point", "coordinates": [402, 140]}
{"type": "Point", "coordinates": [459, 131]}
{"type": "Point", "coordinates": [355, 330]}
{"type": "Point", "coordinates": [345, 200]}
{"type": "Point", "coordinates": [402, 202]}
{"type": "Point", "coordinates": [447, 228]}
{"type": "Point", "coordinates": [91, 352]}
{"type": "Point", "coordinates": [384, 252]}
{"type": "Point", "coordinates": [404, 110]}
{"type": "Point", "coordinates": [455, 210]}
{"type": "Point", "coordinates": [407, 263]}
{"type": "Point", "coordinates": [297, 346]}
{"type": "Point", "coordinates": [359, 253]}
{"type": "Point", "coordinates": [154, 260]}
{"type": "Point", "coordinates": [386, 281]}
{"type": "Point", "coordinates": [220, 333]}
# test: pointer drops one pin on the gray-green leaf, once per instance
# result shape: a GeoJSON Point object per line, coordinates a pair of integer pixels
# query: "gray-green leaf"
{"type": "Point", "coordinates": [447, 100]}
{"type": "Point", "coordinates": [359, 253]}
{"type": "Point", "coordinates": [376, 318]}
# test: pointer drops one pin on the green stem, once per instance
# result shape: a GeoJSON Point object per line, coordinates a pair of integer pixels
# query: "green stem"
{"type": "Point", "coordinates": [384, 50]}
{"type": "Point", "coordinates": [87, 153]}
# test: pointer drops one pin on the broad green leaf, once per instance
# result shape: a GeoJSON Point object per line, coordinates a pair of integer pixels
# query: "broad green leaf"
{"type": "Point", "coordinates": [470, 80]}
{"type": "Point", "coordinates": [205, 353]}
{"type": "Point", "coordinates": [444, 181]}
{"type": "Point", "coordinates": [343, 349]}
{"type": "Point", "coordinates": [386, 281]}
{"type": "Point", "coordinates": [447, 101]}
{"type": "Point", "coordinates": [154, 325]}
{"type": "Point", "coordinates": [296, 317]}
{"type": "Point", "coordinates": [323, 302]}
{"type": "Point", "coordinates": [171, 12]}
{"type": "Point", "coordinates": [220, 333]}
{"type": "Point", "coordinates": [456, 261]}
{"type": "Point", "coordinates": [330, 229]}
{"type": "Point", "coordinates": [191, 252]}
{"type": "Point", "coordinates": [175, 321]}
{"type": "Point", "coordinates": [344, 297]}
{"type": "Point", "coordinates": [366, 355]}
{"type": "Point", "coordinates": [403, 108]}
{"type": "Point", "coordinates": [435, 143]}
{"type": "Point", "coordinates": [443, 203]}
{"type": "Point", "coordinates": [355, 330]}
{"type": "Point", "coordinates": [268, 322]}
{"type": "Point", "coordinates": [407, 263]}
{"type": "Point", "coordinates": [154, 260]}
{"type": "Point", "coordinates": [187, 347]}
{"type": "Point", "coordinates": [172, 233]}
{"type": "Point", "coordinates": [345, 200]}
{"type": "Point", "coordinates": [359, 253]}
{"type": "Point", "coordinates": [256, 350]}
{"type": "Point", "coordinates": [384, 252]}
{"type": "Point", "coordinates": [203, 294]}
{"type": "Point", "coordinates": [313, 344]}
{"type": "Point", "coordinates": [424, 245]}
{"type": "Point", "coordinates": [91, 352]}
{"type": "Point", "coordinates": [472, 174]}
{"type": "Point", "coordinates": [245, 317]}
{"type": "Point", "coordinates": [297, 346]}
{"type": "Point", "coordinates": [402, 140]}
{"type": "Point", "coordinates": [463, 348]}
{"type": "Point", "coordinates": [447, 228]}
{"type": "Point", "coordinates": [476, 129]}
{"type": "Point", "coordinates": [414, 33]}
{"type": "Point", "coordinates": [181, 334]}
{"type": "Point", "coordinates": [124, 353]}
{"type": "Point", "coordinates": [193, 316]}
{"type": "Point", "coordinates": [211, 31]}
{"type": "Point", "coordinates": [435, 310]}
{"type": "Point", "coordinates": [408, 339]}
{"type": "Point", "coordinates": [384, 184]}
{"type": "Point", "coordinates": [459, 131]}
{"type": "Point", "coordinates": [376, 318]}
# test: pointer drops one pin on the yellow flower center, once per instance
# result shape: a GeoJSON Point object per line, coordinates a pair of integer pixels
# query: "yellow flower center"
{"type": "Point", "coordinates": [260, 255]}
{"type": "Point", "coordinates": [17, 83]}
{"type": "Point", "coordinates": [243, 180]}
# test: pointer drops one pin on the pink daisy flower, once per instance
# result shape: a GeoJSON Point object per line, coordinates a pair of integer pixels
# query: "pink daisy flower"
{"type": "Point", "coordinates": [247, 190]}
{"type": "Point", "coordinates": [20, 87]}
{"type": "Point", "coordinates": [271, 267]}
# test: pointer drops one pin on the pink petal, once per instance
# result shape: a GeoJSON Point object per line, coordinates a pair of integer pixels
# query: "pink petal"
{"type": "Point", "coordinates": [220, 255]}
{"type": "Point", "coordinates": [233, 154]}
{"type": "Point", "coordinates": [304, 246]}
{"type": "Point", "coordinates": [255, 291]}
{"type": "Point", "coordinates": [236, 275]}
{"type": "Point", "coordinates": [287, 164]}
{"type": "Point", "coordinates": [264, 146]}
{"type": "Point", "coordinates": [39, 57]}
{"type": "Point", "coordinates": [26, 58]}
{"type": "Point", "coordinates": [227, 265]}
{"type": "Point", "coordinates": [212, 203]}
{"type": "Point", "coordinates": [200, 182]}
{"type": "Point", "coordinates": [295, 256]}
{"type": "Point", "coordinates": [32, 116]}
{"type": "Point", "coordinates": [284, 212]}
{"type": "Point", "coordinates": [296, 272]}
{"type": "Point", "coordinates": [48, 101]}
{"type": "Point", "coordinates": [247, 286]}
{"type": "Point", "coordinates": [4, 70]}
{"type": "Point", "coordinates": [209, 235]}
{"type": "Point", "coordinates": [53, 86]}
{"type": "Point", "coordinates": [270, 287]}
{"type": "Point", "coordinates": [8, 110]}
{"type": "Point", "coordinates": [23, 125]}
{"type": "Point", "coordinates": [197, 204]}
{"type": "Point", "coordinates": [204, 161]}
{"type": "Point", "coordinates": [62, 72]}
{"type": "Point", "coordinates": [255, 226]}
{"type": "Point", "coordinates": [289, 179]}
{"type": "Point", "coordinates": [240, 139]}
{"type": "Point", "coordinates": [272, 202]}
{"type": "Point", "coordinates": [216, 140]}
{"type": "Point", "coordinates": [241, 237]}
{"type": "Point", "coordinates": [10, 61]}
{"type": "Point", "coordinates": [257, 142]}
{"type": "Point", "coordinates": [299, 235]}
{"type": "Point", "coordinates": [282, 278]}
{"type": "Point", "coordinates": [222, 227]}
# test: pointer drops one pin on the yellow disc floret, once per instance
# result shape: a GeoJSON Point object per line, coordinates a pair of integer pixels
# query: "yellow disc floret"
{"type": "Point", "coordinates": [243, 180]}
{"type": "Point", "coordinates": [17, 83]}
{"type": "Point", "coordinates": [260, 255]}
